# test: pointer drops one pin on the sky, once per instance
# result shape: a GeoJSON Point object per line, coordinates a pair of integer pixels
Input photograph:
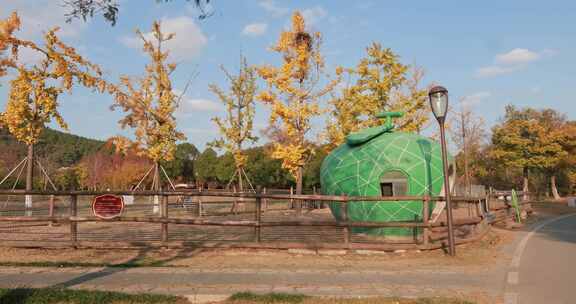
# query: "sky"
{"type": "Point", "coordinates": [486, 53]}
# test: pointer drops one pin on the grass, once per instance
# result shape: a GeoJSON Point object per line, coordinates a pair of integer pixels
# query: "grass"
{"type": "Point", "coordinates": [61, 296]}
{"type": "Point", "coordinates": [84, 264]}
{"type": "Point", "coordinates": [69, 296]}
{"type": "Point", "coordinates": [267, 298]}
{"type": "Point", "coordinates": [282, 298]}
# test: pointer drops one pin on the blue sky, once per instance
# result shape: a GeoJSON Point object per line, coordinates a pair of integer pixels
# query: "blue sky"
{"type": "Point", "coordinates": [489, 53]}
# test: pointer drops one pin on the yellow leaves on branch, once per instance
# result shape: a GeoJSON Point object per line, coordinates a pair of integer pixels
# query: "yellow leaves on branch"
{"type": "Point", "coordinates": [293, 156]}
{"type": "Point", "coordinates": [33, 97]}
{"type": "Point", "coordinates": [378, 83]}
{"type": "Point", "coordinates": [8, 43]}
{"type": "Point", "coordinates": [292, 93]}
{"type": "Point", "coordinates": [150, 102]}
{"type": "Point", "coordinates": [31, 105]}
{"type": "Point", "coordinates": [237, 127]}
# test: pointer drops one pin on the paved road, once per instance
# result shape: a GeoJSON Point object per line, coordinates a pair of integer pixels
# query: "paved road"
{"type": "Point", "coordinates": [544, 266]}
{"type": "Point", "coordinates": [182, 281]}
{"type": "Point", "coordinates": [543, 270]}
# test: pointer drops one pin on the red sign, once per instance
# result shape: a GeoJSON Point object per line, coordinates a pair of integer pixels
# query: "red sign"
{"type": "Point", "coordinates": [107, 206]}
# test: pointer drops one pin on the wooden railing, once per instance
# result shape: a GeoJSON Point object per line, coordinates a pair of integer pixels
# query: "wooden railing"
{"type": "Point", "coordinates": [432, 236]}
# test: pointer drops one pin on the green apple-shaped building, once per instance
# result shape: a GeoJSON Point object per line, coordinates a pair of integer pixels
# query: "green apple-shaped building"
{"type": "Point", "coordinates": [382, 162]}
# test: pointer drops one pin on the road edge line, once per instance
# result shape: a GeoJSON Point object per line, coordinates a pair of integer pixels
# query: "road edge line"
{"type": "Point", "coordinates": [519, 251]}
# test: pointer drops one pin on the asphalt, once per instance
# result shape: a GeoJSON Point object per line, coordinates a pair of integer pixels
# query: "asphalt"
{"type": "Point", "coordinates": [547, 266]}
{"type": "Point", "coordinates": [185, 282]}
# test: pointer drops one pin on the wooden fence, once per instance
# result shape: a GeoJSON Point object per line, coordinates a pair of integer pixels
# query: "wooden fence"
{"type": "Point", "coordinates": [256, 228]}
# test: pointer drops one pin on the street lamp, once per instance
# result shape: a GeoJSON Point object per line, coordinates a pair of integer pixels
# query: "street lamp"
{"type": "Point", "coordinates": [439, 103]}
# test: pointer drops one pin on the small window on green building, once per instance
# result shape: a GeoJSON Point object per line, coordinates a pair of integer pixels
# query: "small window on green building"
{"type": "Point", "coordinates": [387, 189]}
{"type": "Point", "coordinates": [394, 183]}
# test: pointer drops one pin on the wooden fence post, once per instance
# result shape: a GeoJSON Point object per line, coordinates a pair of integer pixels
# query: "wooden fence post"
{"type": "Point", "coordinates": [258, 215]}
{"type": "Point", "coordinates": [425, 220]}
{"type": "Point", "coordinates": [51, 209]}
{"type": "Point", "coordinates": [291, 199]}
{"type": "Point", "coordinates": [73, 224]}
{"type": "Point", "coordinates": [265, 200]}
{"type": "Point", "coordinates": [234, 209]}
{"type": "Point", "coordinates": [164, 215]}
{"type": "Point", "coordinates": [344, 217]}
{"type": "Point", "coordinates": [315, 204]}
{"type": "Point", "coordinates": [200, 202]}
{"type": "Point", "coordinates": [488, 198]}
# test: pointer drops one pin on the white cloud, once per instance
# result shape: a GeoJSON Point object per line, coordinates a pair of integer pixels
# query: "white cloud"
{"type": "Point", "coordinates": [255, 29]}
{"type": "Point", "coordinates": [475, 98]}
{"type": "Point", "coordinates": [192, 105]}
{"type": "Point", "coordinates": [313, 15]}
{"type": "Point", "coordinates": [517, 56]}
{"type": "Point", "coordinates": [512, 61]}
{"type": "Point", "coordinates": [39, 16]}
{"type": "Point", "coordinates": [187, 43]}
{"type": "Point", "coordinates": [271, 7]}
{"type": "Point", "coordinates": [495, 70]}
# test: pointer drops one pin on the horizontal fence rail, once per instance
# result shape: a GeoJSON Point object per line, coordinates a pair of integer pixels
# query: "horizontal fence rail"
{"type": "Point", "coordinates": [233, 220]}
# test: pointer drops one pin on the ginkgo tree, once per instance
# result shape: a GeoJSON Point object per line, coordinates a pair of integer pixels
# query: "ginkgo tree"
{"type": "Point", "coordinates": [293, 92]}
{"type": "Point", "coordinates": [380, 82]}
{"type": "Point", "coordinates": [150, 103]}
{"type": "Point", "coordinates": [36, 87]}
{"type": "Point", "coordinates": [236, 128]}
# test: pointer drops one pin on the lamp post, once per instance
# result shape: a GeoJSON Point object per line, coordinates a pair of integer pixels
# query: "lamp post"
{"type": "Point", "coordinates": [439, 103]}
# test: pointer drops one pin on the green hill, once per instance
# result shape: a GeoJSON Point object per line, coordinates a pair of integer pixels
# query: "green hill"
{"type": "Point", "coordinates": [57, 148]}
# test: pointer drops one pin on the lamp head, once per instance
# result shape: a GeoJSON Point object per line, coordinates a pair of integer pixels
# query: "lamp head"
{"type": "Point", "coordinates": [438, 97]}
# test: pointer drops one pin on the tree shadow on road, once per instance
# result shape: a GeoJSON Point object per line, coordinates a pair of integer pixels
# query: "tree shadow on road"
{"type": "Point", "coordinates": [136, 261]}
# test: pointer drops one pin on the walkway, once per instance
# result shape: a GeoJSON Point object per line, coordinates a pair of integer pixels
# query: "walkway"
{"type": "Point", "coordinates": [182, 281]}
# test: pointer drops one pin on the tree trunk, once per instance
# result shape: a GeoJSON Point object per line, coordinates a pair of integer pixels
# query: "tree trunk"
{"type": "Point", "coordinates": [29, 176]}
{"type": "Point", "coordinates": [299, 177]}
{"type": "Point", "coordinates": [553, 187]}
{"type": "Point", "coordinates": [156, 187]}
{"type": "Point", "coordinates": [465, 148]}
{"type": "Point", "coordinates": [547, 189]}
{"type": "Point", "coordinates": [240, 183]}
{"type": "Point", "coordinates": [525, 184]}
{"type": "Point", "coordinates": [467, 175]}
{"type": "Point", "coordinates": [237, 202]}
